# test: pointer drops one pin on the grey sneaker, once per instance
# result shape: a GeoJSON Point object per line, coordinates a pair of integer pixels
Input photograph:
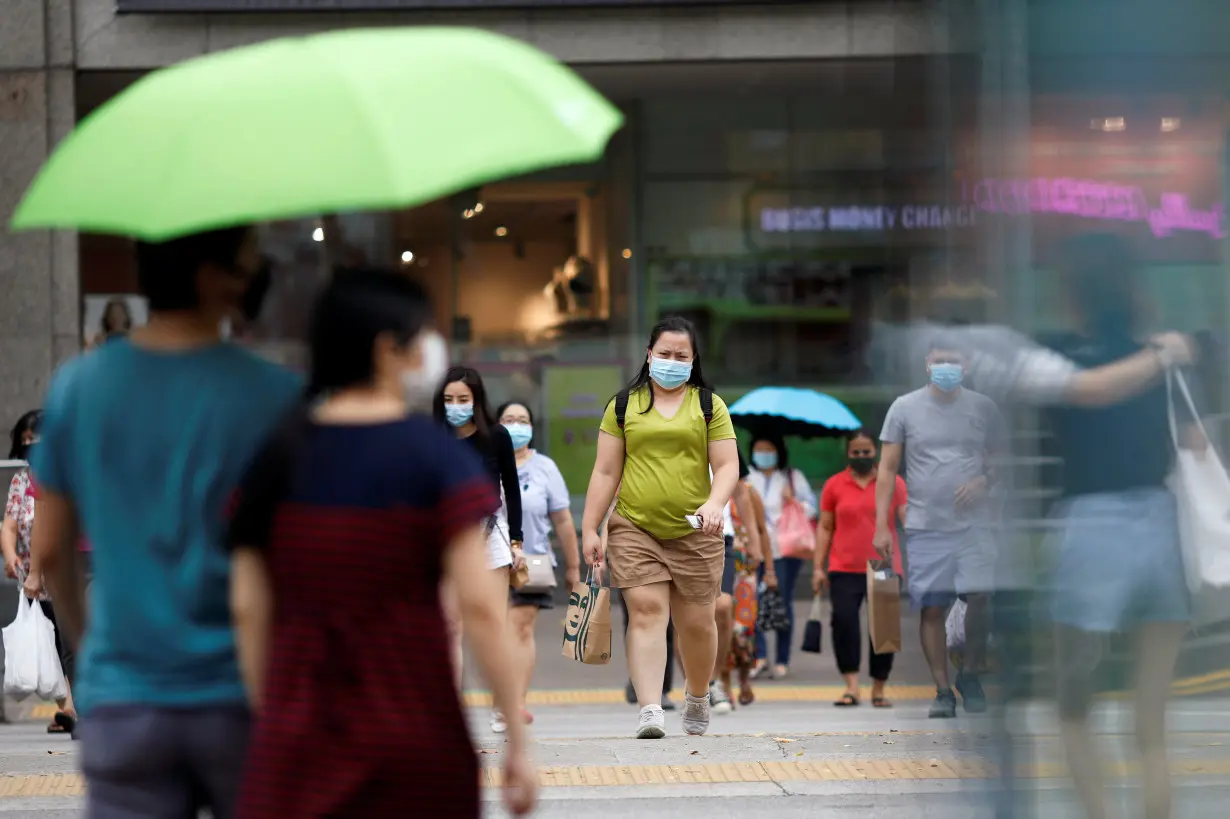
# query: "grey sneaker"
{"type": "Point", "coordinates": [718, 698]}
{"type": "Point", "coordinates": [696, 715]}
{"type": "Point", "coordinates": [972, 696]}
{"type": "Point", "coordinates": [653, 723]}
{"type": "Point", "coordinates": [945, 705]}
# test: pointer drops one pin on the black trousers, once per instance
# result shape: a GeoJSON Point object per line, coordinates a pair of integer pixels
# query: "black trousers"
{"type": "Point", "coordinates": [67, 656]}
{"type": "Point", "coordinates": [847, 591]}
{"type": "Point", "coordinates": [668, 678]}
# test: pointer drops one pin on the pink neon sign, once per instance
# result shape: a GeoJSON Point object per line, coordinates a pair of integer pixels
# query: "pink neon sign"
{"type": "Point", "coordinates": [1096, 200]}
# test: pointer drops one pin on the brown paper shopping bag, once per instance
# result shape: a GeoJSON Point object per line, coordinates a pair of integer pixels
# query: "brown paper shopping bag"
{"type": "Point", "coordinates": [587, 625]}
{"type": "Point", "coordinates": [883, 608]}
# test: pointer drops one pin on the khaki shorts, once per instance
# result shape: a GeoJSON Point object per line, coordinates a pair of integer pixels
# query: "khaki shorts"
{"type": "Point", "coordinates": [693, 564]}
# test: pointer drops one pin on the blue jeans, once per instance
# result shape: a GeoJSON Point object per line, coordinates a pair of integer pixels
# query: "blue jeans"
{"type": "Point", "coordinates": [787, 569]}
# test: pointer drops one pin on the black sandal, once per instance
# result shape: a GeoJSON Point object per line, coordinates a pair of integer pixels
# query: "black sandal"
{"type": "Point", "coordinates": [847, 700]}
{"type": "Point", "coordinates": [62, 723]}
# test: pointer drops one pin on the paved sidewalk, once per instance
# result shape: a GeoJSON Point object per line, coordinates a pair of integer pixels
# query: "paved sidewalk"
{"type": "Point", "coordinates": [773, 759]}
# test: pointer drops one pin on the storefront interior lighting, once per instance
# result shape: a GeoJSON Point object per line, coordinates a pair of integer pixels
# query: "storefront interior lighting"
{"type": "Point", "coordinates": [478, 207]}
{"type": "Point", "coordinates": [1108, 124]}
{"type": "Point", "coordinates": [501, 231]}
{"type": "Point", "coordinates": [318, 235]}
{"type": "Point", "coordinates": [1170, 124]}
{"type": "Point", "coordinates": [407, 256]}
{"type": "Point", "coordinates": [468, 213]}
{"type": "Point", "coordinates": [627, 254]}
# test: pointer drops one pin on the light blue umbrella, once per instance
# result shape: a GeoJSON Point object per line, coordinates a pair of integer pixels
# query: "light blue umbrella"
{"type": "Point", "coordinates": [793, 411]}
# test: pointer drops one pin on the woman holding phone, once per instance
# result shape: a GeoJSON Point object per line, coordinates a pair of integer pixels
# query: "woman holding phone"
{"type": "Point", "coordinates": [660, 436]}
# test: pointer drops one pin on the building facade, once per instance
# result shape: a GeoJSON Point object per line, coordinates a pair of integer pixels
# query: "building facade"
{"type": "Point", "coordinates": [791, 174]}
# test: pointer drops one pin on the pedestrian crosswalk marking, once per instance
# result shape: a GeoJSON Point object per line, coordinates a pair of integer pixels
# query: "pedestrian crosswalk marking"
{"type": "Point", "coordinates": [850, 769]}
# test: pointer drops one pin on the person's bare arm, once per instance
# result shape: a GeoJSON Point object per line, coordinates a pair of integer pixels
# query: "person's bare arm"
{"type": "Point", "coordinates": [8, 545]}
{"type": "Point", "coordinates": [603, 482]}
{"type": "Point", "coordinates": [824, 541]}
{"type": "Point", "coordinates": [566, 534]}
{"type": "Point", "coordinates": [252, 616]}
{"type": "Point", "coordinates": [1112, 383]}
{"type": "Point", "coordinates": [482, 601]}
{"type": "Point", "coordinates": [1130, 376]}
{"type": "Point", "coordinates": [886, 482]}
{"type": "Point", "coordinates": [724, 461]}
{"type": "Point", "coordinates": [52, 548]}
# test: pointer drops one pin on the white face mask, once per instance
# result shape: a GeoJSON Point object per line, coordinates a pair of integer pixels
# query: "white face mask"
{"type": "Point", "coordinates": [421, 384]}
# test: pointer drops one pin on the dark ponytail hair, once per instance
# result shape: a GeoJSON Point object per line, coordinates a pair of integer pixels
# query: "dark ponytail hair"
{"type": "Point", "coordinates": [358, 306]}
{"type": "Point", "coordinates": [27, 423]}
{"type": "Point", "coordinates": [483, 419]}
{"type": "Point", "coordinates": [854, 434]}
{"type": "Point", "coordinates": [670, 324]}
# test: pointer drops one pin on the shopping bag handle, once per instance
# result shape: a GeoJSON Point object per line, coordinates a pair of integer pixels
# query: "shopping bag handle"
{"type": "Point", "coordinates": [885, 564]}
{"type": "Point", "coordinates": [1174, 377]}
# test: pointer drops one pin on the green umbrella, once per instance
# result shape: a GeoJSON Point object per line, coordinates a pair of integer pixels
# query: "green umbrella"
{"type": "Point", "coordinates": [337, 122]}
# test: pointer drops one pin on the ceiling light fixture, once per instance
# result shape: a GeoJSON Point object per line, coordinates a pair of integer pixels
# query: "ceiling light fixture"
{"type": "Point", "coordinates": [478, 207]}
{"type": "Point", "coordinates": [501, 231]}
{"type": "Point", "coordinates": [1108, 124]}
{"type": "Point", "coordinates": [407, 256]}
{"type": "Point", "coordinates": [1170, 124]}
{"type": "Point", "coordinates": [467, 214]}
{"type": "Point", "coordinates": [627, 254]}
{"type": "Point", "coordinates": [318, 235]}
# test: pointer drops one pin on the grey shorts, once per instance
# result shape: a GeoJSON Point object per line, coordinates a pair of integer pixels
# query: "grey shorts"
{"type": "Point", "coordinates": [143, 762]}
{"type": "Point", "coordinates": [943, 565]}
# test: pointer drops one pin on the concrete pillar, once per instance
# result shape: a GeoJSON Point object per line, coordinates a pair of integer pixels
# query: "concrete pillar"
{"type": "Point", "coordinates": [40, 313]}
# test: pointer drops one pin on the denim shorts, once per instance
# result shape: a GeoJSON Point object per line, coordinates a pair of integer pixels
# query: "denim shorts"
{"type": "Point", "coordinates": [1118, 561]}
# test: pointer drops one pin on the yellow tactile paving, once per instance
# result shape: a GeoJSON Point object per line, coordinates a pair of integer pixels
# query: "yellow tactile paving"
{"type": "Point", "coordinates": [1189, 686]}
{"type": "Point", "coordinates": [852, 769]}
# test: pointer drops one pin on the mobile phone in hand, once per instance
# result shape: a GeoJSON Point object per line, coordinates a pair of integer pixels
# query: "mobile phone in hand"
{"type": "Point", "coordinates": [695, 521]}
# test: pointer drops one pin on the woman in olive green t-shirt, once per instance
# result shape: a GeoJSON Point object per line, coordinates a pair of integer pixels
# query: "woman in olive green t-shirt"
{"type": "Point", "coordinates": [659, 462]}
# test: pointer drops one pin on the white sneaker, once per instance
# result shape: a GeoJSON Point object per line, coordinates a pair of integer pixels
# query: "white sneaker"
{"type": "Point", "coordinates": [653, 723]}
{"type": "Point", "coordinates": [696, 715]}
{"type": "Point", "coordinates": [499, 725]}
{"type": "Point", "coordinates": [718, 699]}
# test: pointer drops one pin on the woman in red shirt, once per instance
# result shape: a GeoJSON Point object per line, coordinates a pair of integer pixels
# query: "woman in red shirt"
{"type": "Point", "coordinates": [843, 545]}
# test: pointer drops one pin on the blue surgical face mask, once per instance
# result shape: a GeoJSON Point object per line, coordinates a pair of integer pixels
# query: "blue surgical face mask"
{"type": "Point", "coordinates": [458, 415]}
{"type": "Point", "coordinates": [669, 374]}
{"type": "Point", "coordinates": [764, 460]}
{"type": "Point", "coordinates": [520, 434]}
{"type": "Point", "coordinates": [947, 376]}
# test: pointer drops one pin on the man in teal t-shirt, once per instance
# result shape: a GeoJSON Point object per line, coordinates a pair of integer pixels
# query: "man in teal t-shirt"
{"type": "Point", "coordinates": [143, 444]}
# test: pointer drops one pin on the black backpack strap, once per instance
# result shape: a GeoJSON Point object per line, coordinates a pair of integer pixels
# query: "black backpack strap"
{"type": "Point", "coordinates": [706, 404]}
{"type": "Point", "coordinates": [621, 408]}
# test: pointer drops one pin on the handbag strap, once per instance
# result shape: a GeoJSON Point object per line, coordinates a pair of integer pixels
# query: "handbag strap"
{"type": "Point", "coordinates": [1174, 378]}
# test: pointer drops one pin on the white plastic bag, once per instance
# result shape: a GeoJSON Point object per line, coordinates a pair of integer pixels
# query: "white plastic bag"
{"type": "Point", "coordinates": [1202, 490]}
{"type": "Point", "coordinates": [21, 665]}
{"type": "Point", "coordinates": [955, 626]}
{"type": "Point", "coordinates": [51, 682]}
{"type": "Point", "coordinates": [31, 662]}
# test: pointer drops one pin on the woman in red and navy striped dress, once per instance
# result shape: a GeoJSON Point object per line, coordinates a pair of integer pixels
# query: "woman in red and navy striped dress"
{"type": "Point", "coordinates": [346, 526]}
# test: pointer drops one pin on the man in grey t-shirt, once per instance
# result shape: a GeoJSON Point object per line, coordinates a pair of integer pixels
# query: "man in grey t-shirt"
{"type": "Point", "coordinates": [948, 433]}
